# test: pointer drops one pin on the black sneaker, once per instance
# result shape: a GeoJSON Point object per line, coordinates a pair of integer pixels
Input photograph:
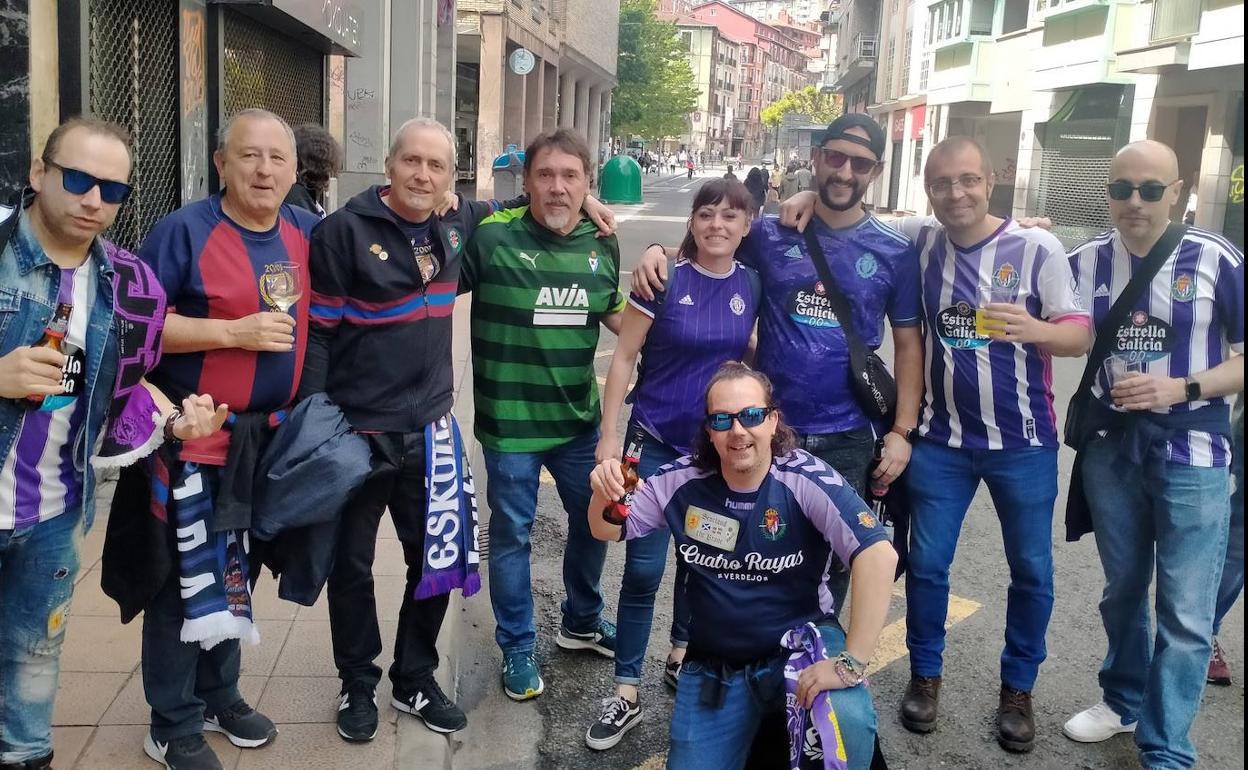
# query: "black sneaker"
{"type": "Point", "coordinates": [601, 640]}
{"type": "Point", "coordinates": [671, 674]}
{"type": "Point", "coordinates": [244, 726]}
{"type": "Point", "coordinates": [191, 752]}
{"type": "Point", "coordinates": [427, 701]}
{"type": "Point", "coordinates": [619, 715]}
{"type": "Point", "coordinates": [38, 763]}
{"type": "Point", "coordinates": [357, 713]}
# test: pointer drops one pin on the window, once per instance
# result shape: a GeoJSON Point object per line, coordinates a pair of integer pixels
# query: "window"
{"type": "Point", "coordinates": [905, 62]}
{"type": "Point", "coordinates": [918, 158]}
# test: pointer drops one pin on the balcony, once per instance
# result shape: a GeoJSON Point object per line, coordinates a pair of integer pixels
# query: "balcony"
{"type": "Point", "coordinates": [1052, 9]}
{"type": "Point", "coordinates": [858, 62]}
{"type": "Point", "coordinates": [1174, 19]}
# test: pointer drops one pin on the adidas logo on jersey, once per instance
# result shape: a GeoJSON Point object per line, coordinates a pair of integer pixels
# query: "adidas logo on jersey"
{"type": "Point", "coordinates": [686, 300]}
{"type": "Point", "coordinates": [794, 252]}
{"type": "Point", "coordinates": [1101, 291]}
{"type": "Point", "coordinates": [558, 306]}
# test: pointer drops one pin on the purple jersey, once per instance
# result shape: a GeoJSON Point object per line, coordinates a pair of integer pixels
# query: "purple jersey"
{"type": "Point", "coordinates": [702, 320]}
{"type": "Point", "coordinates": [38, 479]}
{"type": "Point", "coordinates": [800, 343]}
{"type": "Point", "coordinates": [755, 561]}
{"type": "Point", "coordinates": [982, 393]}
{"type": "Point", "coordinates": [1191, 318]}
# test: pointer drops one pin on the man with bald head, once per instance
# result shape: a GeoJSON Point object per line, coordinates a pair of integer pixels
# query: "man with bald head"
{"type": "Point", "coordinates": [224, 336]}
{"type": "Point", "coordinates": [1156, 459]}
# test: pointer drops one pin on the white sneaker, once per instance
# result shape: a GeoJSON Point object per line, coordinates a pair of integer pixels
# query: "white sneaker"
{"type": "Point", "coordinates": [1096, 724]}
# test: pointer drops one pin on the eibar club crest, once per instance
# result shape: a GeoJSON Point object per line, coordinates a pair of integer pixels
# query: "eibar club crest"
{"type": "Point", "coordinates": [593, 261]}
{"type": "Point", "coordinates": [772, 526]}
{"type": "Point", "coordinates": [453, 238]}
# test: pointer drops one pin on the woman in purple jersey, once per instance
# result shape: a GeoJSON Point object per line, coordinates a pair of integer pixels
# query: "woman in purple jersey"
{"type": "Point", "coordinates": [704, 316]}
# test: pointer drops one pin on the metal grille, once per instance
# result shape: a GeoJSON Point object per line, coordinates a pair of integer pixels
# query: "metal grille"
{"type": "Point", "coordinates": [1074, 166]}
{"type": "Point", "coordinates": [133, 63]}
{"type": "Point", "coordinates": [264, 68]}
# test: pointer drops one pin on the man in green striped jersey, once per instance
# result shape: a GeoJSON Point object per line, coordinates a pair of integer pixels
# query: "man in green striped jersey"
{"type": "Point", "coordinates": [542, 284]}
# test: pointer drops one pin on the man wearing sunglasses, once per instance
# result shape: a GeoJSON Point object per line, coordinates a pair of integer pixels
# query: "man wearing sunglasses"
{"type": "Point", "coordinates": [801, 346]}
{"type": "Point", "coordinates": [1157, 475]}
{"type": "Point", "coordinates": [755, 520]}
{"type": "Point", "coordinates": [61, 282]}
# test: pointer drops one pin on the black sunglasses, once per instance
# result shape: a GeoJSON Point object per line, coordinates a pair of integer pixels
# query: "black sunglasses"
{"type": "Point", "coordinates": [834, 159]}
{"type": "Point", "coordinates": [1150, 192]}
{"type": "Point", "coordinates": [80, 183]}
{"type": "Point", "coordinates": [749, 417]}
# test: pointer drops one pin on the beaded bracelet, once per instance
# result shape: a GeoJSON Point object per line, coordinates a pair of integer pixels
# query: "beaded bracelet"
{"type": "Point", "coordinates": [848, 677]}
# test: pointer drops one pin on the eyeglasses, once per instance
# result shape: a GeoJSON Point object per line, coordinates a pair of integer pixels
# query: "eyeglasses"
{"type": "Point", "coordinates": [749, 417]}
{"type": "Point", "coordinates": [945, 186]}
{"type": "Point", "coordinates": [80, 183]}
{"type": "Point", "coordinates": [1150, 192]}
{"type": "Point", "coordinates": [834, 159]}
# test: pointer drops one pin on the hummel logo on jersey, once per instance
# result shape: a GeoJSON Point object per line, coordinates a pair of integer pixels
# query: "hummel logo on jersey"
{"type": "Point", "coordinates": [794, 253]}
{"type": "Point", "coordinates": [686, 300]}
{"type": "Point", "coordinates": [531, 260]}
{"type": "Point", "coordinates": [1101, 291]}
{"type": "Point", "coordinates": [557, 306]}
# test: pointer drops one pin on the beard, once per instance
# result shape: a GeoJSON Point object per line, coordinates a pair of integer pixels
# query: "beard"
{"type": "Point", "coordinates": [557, 219]}
{"type": "Point", "coordinates": [855, 197]}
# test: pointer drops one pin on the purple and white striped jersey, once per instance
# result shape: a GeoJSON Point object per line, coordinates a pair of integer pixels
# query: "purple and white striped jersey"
{"type": "Point", "coordinates": [704, 320]}
{"type": "Point", "coordinates": [38, 480]}
{"type": "Point", "coordinates": [981, 393]}
{"type": "Point", "coordinates": [1190, 319]}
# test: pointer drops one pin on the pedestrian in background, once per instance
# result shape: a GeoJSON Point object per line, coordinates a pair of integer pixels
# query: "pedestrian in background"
{"type": "Point", "coordinates": [320, 159]}
{"type": "Point", "coordinates": [756, 183]}
{"type": "Point", "coordinates": [1154, 450]}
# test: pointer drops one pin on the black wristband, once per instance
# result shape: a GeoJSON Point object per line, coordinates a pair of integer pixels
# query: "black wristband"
{"type": "Point", "coordinates": [661, 246]}
{"type": "Point", "coordinates": [170, 438]}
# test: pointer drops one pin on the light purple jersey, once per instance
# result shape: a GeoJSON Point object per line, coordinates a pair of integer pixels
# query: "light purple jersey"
{"type": "Point", "coordinates": [1190, 319]}
{"type": "Point", "coordinates": [981, 393]}
{"type": "Point", "coordinates": [38, 480]}
{"type": "Point", "coordinates": [704, 320]}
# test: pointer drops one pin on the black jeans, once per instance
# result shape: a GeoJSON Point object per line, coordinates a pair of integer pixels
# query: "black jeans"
{"type": "Point", "coordinates": [183, 681]}
{"type": "Point", "coordinates": [850, 453]}
{"type": "Point", "coordinates": [397, 482]}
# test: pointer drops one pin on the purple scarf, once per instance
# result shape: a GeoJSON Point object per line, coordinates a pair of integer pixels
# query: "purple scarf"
{"type": "Point", "coordinates": [451, 556]}
{"type": "Point", "coordinates": [814, 734]}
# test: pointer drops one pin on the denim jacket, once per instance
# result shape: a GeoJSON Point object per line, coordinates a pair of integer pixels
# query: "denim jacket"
{"type": "Point", "coordinates": [28, 291]}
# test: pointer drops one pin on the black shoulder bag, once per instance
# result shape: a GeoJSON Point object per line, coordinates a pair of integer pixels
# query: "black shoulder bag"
{"type": "Point", "coordinates": [1156, 257]}
{"type": "Point", "coordinates": [873, 383]}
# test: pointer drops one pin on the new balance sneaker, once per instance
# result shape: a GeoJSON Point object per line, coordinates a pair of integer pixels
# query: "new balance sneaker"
{"type": "Point", "coordinates": [427, 701]}
{"type": "Point", "coordinates": [619, 715]}
{"type": "Point", "coordinates": [191, 752]}
{"type": "Point", "coordinates": [521, 679]}
{"type": "Point", "coordinates": [601, 640]}
{"type": "Point", "coordinates": [1219, 670]}
{"type": "Point", "coordinates": [244, 726]}
{"type": "Point", "coordinates": [357, 713]}
{"type": "Point", "coordinates": [1096, 724]}
{"type": "Point", "coordinates": [671, 674]}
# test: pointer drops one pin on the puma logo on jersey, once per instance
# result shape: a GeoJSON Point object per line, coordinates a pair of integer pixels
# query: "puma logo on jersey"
{"type": "Point", "coordinates": [531, 260]}
{"type": "Point", "coordinates": [558, 306]}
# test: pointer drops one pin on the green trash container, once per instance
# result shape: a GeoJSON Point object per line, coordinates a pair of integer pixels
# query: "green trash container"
{"type": "Point", "coordinates": [620, 180]}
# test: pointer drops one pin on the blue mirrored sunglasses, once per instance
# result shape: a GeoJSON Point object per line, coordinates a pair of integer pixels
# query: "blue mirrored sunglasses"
{"type": "Point", "coordinates": [749, 417]}
{"type": "Point", "coordinates": [80, 183]}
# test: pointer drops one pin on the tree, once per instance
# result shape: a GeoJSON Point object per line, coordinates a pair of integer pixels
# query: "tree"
{"type": "Point", "coordinates": [654, 96]}
{"type": "Point", "coordinates": [816, 105]}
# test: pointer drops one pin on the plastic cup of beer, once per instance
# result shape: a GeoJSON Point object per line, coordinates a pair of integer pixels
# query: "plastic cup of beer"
{"type": "Point", "coordinates": [990, 295]}
{"type": "Point", "coordinates": [1119, 368]}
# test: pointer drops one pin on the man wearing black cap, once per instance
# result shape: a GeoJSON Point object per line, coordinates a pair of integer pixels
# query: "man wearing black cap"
{"type": "Point", "coordinates": [802, 346]}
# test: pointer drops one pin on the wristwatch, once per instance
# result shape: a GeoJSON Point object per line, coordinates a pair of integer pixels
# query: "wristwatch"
{"type": "Point", "coordinates": [1191, 388]}
{"type": "Point", "coordinates": [907, 433]}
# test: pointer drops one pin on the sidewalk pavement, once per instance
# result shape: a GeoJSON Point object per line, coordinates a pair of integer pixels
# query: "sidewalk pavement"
{"type": "Point", "coordinates": [101, 715]}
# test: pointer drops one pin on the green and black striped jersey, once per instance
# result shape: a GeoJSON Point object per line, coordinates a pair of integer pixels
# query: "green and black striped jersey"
{"type": "Point", "coordinates": [537, 301]}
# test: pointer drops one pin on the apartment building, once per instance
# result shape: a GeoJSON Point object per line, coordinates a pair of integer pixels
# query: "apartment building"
{"type": "Point", "coordinates": [901, 106]}
{"type": "Point", "coordinates": [714, 59]}
{"type": "Point", "coordinates": [527, 66]}
{"type": "Point", "coordinates": [857, 50]}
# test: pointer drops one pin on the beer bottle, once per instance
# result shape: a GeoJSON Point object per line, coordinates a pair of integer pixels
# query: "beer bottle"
{"type": "Point", "coordinates": [54, 337]}
{"type": "Point", "coordinates": [616, 512]}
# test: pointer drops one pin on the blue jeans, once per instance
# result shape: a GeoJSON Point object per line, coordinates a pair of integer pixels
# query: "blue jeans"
{"type": "Point", "coordinates": [1173, 516]}
{"type": "Point", "coordinates": [1233, 570]}
{"type": "Point", "coordinates": [645, 558]}
{"type": "Point", "coordinates": [1023, 484]}
{"type": "Point", "coordinates": [38, 565]}
{"type": "Point", "coordinates": [709, 738]}
{"type": "Point", "coordinates": [511, 491]}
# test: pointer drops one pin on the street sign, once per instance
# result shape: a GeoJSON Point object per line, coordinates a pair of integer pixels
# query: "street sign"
{"type": "Point", "coordinates": [522, 61]}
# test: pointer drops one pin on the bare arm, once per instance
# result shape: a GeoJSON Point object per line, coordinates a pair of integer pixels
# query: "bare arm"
{"type": "Point", "coordinates": [871, 587]}
{"type": "Point", "coordinates": [607, 483]}
{"type": "Point", "coordinates": [266, 332]}
{"type": "Point", "coordinates": [908, 365]}
{"type": "Point", "coordinates": [1151, 391]}
{"type": "Point", "coordinates": [612, 321]}
{"type": "Point", "coordinates": [632, 335]}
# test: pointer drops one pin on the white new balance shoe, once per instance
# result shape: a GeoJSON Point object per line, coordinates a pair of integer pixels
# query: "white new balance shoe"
{"type": "Point", "coordinates": [1099, 723]}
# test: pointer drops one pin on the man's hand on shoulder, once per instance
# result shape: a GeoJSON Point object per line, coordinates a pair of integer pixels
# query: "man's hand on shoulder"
{"type": "Point", "coordinates": [600, 215]}
{"type": "Point", "coordinates": [650, 274]}
{"type": "Point", "coordinates": [798, 210]}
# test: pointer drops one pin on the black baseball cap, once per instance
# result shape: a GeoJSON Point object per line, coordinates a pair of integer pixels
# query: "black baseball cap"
{"type": "Point", "coordinates": [839, 129]}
